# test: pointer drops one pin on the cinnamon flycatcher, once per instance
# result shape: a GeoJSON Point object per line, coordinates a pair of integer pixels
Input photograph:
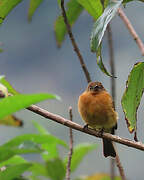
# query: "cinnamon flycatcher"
{"type": "Point", "coordinates": [95, 106]}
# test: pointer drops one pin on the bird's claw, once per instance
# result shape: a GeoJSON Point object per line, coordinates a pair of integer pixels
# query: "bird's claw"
{"type": "Point", "coordinates": [85, 127]}
{"type": "Point", "coordinates": [101, 132]}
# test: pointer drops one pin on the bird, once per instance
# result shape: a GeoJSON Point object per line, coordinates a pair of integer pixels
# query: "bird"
{"type": "Point", "coordinates": [96, 108]}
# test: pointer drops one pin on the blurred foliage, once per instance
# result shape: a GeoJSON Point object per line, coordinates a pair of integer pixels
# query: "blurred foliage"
{"type": "Point", "coordinates": [1, 50]}
{"type": "Point", "coordinates": [34, 4]}
{"type": "Point", "coordinates": [15, 103]}
{"type": "Point", "coordinates": [6, 7]}
{"type": "Point", "coordinates": [98, 176]}
{"type": "Point", "coordinates": [10, 104]}
{"type": "Point", "coordinates": [78, 154]}
{"type": "Point", "coordinates": [13, 171]}
{"type": "Point", "coordinates": [53, 167]}
{"type": "Point", "coordinates": [73, 11]}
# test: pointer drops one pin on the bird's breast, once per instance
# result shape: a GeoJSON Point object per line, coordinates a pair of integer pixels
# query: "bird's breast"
{"type": "Point", "coordinates": [96, 110]}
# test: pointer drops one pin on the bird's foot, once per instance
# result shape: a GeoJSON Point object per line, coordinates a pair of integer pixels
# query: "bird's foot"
{"type": "Point", "coordinates": [85, 127]}
{"type": "Point", "coordinates": [101, 132]}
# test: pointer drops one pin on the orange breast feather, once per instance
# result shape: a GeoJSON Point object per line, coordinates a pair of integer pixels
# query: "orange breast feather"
{"type": "Point", "coordinates": [97, 109]}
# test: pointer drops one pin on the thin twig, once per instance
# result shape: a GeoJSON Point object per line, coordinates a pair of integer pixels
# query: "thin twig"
{"type": "Point", "coordinates": [121, 170]}
{"type": "Point", "coordinates": [68, 170]}
{"type": "Point", "coordinates": [113, 92]}
{"type": "Point", "coordinates": [131, 30]}
{"type": "Point", "coordinates": [76, 49]}
{"type": "Point", "coordinates": [73, 125]}
{"type": "Point", "coordinates": [113, 89]}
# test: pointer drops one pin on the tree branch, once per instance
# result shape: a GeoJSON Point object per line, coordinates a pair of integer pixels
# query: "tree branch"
{"type": "Point", "coordinates": [70, 148]}
{"type": "Point", "coordinates": [119, 165]}
{"type": "Point", "coordinates": [76, 49]}
{"type": "Point", "coordinates": [68, 123]}
{"type": "Point", "coordinates": [131, 30]}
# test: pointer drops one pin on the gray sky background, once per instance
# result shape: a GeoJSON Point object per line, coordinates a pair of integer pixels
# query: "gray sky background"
{"type": "Point", "coordinates": [32, 63]}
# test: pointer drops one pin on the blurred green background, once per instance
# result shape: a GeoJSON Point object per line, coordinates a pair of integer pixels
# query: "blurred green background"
{"type": "Point", "coordinates": [32, 63]}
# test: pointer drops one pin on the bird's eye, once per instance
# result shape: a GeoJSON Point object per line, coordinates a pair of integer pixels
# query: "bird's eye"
{"type": "Point", "coordinates": [96, 87]}
{"type": "Point", "coordinates": [91, 88]}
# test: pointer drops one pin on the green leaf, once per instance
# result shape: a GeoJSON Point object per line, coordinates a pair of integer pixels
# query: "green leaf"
{"type": "Point", "coordinates": [33, 178]}
{"type": "Point", "coordinates": [1, 50]}
{"type": "Point", "coordinates": [51, 150]}
{"type": "Point", "coordinates": [98, 31]}
{"type": "Point", "coordinates": [5, 7]}
{"type": "Point", "coordinates": [38, 169]}
{"type": "Point", "coordinates": [15, 103]}
{"type": "Point", "coordinates": [8, 85]}
{"type": "Point", "coordinates": [78, 154]}
{"type": "Point", "coordinates": [55, 169]}
{"type": "Point", "coordinates": [59, 3]}
{"type": "Point", "coordinates": [40, 128]}
{"type": "Point", "coordinates": [132, 95]}
{"type": "Point", "coordinates": [34, 4]}
{"type": "Point", "coordinates": [101, 24]}
{"type": "Point", "coordinates": [28, 143]}
{"type": "Point", "coordinates": [13, 160]}
{"type": "Point", "coordinates": [14, 171]}
{"type": "Point", "coordinates": [74, 10]}
{"type": "Point", "coordinates": [100, 62]}
{"type": "Point", "coordinates": [94, 7]}
{"type": "Point", "coordinates": [23, 147]}
{"type": "Point", "coordinates": [35, 138]}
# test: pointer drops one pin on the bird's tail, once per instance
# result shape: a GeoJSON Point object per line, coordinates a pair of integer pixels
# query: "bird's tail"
{"type": "Point", "coordinates": [108, 148]}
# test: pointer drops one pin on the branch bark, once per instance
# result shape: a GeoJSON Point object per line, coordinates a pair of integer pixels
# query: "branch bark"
{"type": "Point", "coordinates": [131, 30]}
{"type": "Point", "coordinates": [68, 170]}
{"type": "Point", "coordinates": [76, 49]}
{"type": "Point", "coordinates": [68, 123]}
{"type": "Point", "coordinates": [121, 170]}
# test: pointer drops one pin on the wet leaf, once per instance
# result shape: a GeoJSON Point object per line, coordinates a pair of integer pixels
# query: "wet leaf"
{"type": "Point", "coordinates": [101, 24]}
{"type": "Point", "coordinates": [98, 31]}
